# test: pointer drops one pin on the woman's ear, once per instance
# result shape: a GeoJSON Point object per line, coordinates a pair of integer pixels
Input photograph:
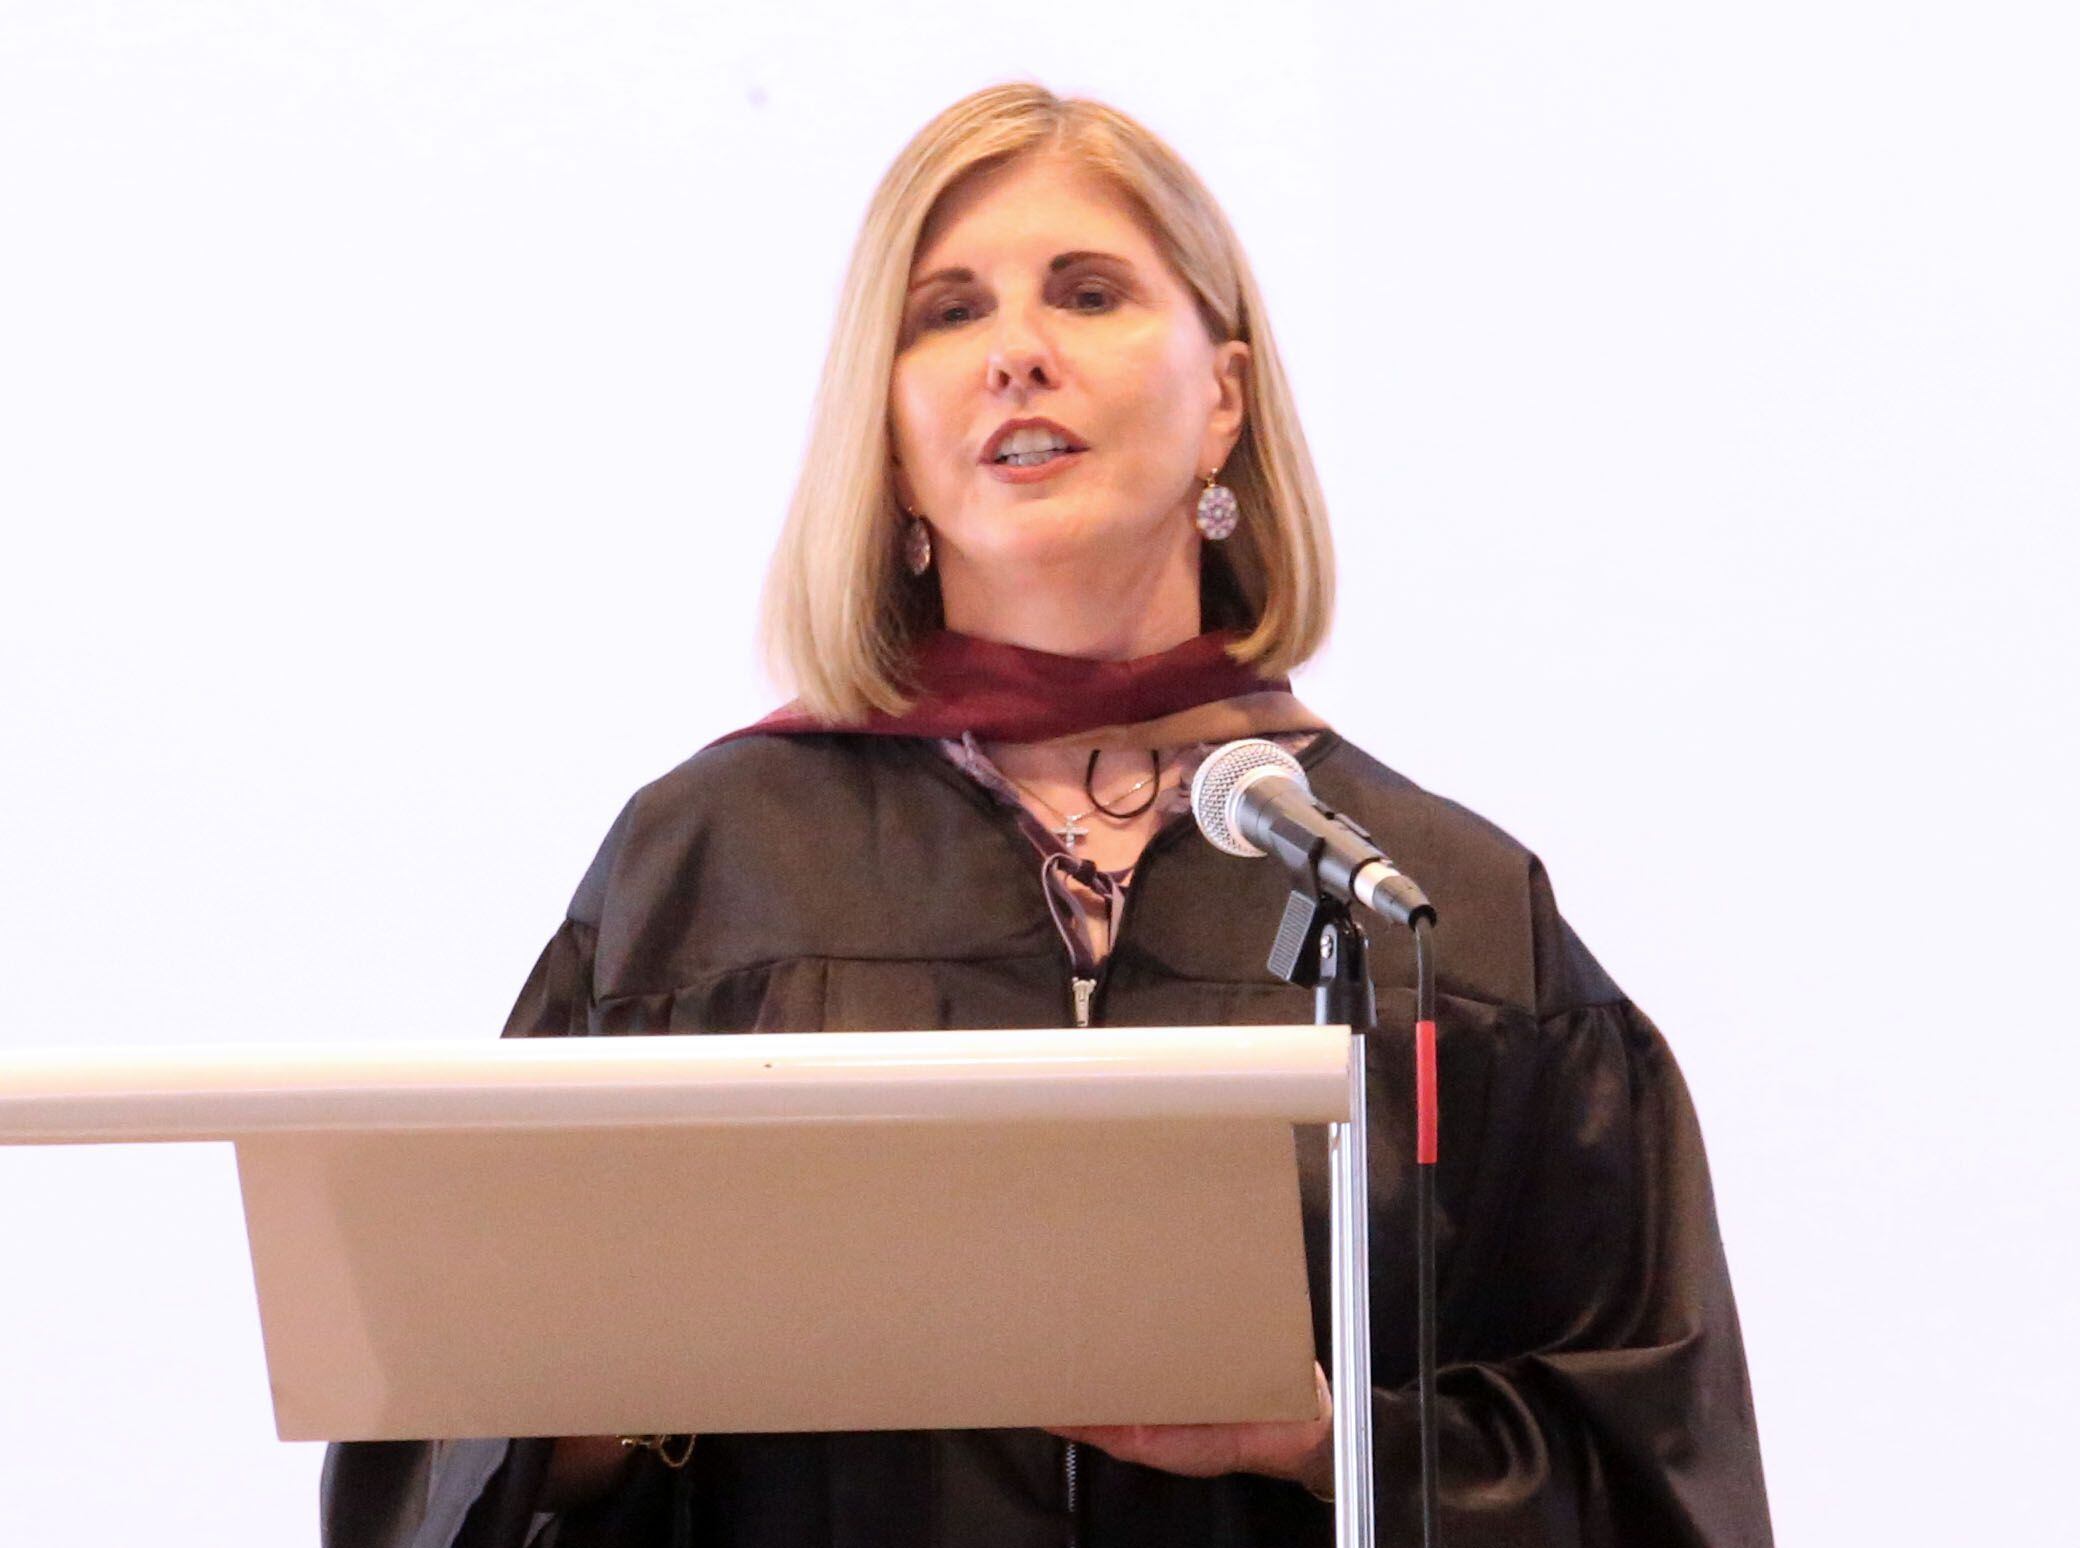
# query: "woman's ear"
{"type": "Point", "coordinates": [1231, 363]}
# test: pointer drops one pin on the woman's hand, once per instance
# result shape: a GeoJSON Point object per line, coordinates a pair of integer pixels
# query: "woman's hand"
{"type": "Point", "coordinates": [582, 1468]}
{"type": "Point", "coordinates": [1301, 1451]}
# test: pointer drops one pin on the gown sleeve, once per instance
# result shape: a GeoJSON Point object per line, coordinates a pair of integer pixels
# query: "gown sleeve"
{"type": "Point", "coordinates": [482, 1492]}
{"type": "Point", "coordinates": [1592, 1385]}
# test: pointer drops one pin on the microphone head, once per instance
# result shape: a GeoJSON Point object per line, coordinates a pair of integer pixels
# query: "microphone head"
{"type": "Point", "coordinates": [1228, 771]}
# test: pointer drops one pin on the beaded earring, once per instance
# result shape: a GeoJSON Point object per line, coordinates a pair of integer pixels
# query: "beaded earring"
{"type": "Point", "coordinates": [917, 546]}
{"type": "Point", "coordinates": [1218, 511]}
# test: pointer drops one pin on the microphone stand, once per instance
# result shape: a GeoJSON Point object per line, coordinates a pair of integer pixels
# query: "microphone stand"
{"type": "Point", "coordinates": [1333, 863]}
{"type": "Point", "coordinates": [1321, 946]}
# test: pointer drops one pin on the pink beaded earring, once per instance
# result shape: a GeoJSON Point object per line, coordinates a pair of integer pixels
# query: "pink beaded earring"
{"type": "Point", "coordinates": [1218, 511]}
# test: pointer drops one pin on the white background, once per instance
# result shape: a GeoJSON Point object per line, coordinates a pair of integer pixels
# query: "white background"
{"type": "Point", "coordinates": [397, 405]}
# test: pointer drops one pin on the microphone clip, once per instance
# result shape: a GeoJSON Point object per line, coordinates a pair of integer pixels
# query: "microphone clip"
{"type": "Point", "coordinates": [1320, 946]}
{"type": "Point", "coordinates": [1295, 955]}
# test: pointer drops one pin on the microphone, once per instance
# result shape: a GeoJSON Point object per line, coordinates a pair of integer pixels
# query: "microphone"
{"type": "Point", "coordinates": [1251, 798]}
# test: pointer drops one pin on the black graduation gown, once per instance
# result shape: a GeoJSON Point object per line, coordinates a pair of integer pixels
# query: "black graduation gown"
{"type": "Point", "coordinates": [1593, 1387]}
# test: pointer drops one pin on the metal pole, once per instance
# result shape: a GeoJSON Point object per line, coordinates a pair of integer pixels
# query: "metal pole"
{"type": "Point", "coordinates": [1350, 1279]}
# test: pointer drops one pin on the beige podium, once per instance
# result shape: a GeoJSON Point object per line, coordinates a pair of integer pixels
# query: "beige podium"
{"type": "Point", "coordinates": [830, 1231]}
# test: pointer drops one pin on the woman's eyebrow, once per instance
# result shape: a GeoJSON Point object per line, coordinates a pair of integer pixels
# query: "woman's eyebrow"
{"type": "Point", "coordinates": [1055, 265]}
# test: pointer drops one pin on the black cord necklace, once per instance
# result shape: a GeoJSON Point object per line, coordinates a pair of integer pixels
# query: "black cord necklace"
{"type": "Point", "coordinates": [1155, 766]}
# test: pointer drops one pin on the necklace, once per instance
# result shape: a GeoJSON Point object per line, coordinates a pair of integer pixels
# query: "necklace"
{"type": "Point", "coordinates": [1155, 772]}
{"type": "Point", "coordinates": [1068, 832]}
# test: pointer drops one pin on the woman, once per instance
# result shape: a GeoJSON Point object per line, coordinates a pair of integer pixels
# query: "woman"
{"type": "Point", "coordinates": [1057, 537]}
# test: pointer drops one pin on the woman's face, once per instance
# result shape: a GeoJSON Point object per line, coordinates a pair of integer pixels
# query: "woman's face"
{"type": "Point", "coordinates": [1059, 308]}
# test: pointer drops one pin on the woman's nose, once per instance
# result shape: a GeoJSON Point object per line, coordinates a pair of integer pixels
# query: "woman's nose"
{"type": "Point", "coordinates": [1019, 352]}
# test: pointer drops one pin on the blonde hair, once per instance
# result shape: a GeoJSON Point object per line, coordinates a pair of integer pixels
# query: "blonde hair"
{"type": "Point", "coordinates": [840, 613]}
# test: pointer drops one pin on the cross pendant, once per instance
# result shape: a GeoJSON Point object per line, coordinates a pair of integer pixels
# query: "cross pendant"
{"type": "Point", "coordinates": [1069, 833]}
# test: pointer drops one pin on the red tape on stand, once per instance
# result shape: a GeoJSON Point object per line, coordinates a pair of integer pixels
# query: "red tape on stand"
{"type": "Point", "coordinates": [1426, 1093]}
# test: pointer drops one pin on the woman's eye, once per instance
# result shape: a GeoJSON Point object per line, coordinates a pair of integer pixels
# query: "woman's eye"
{"type": "Point", "coordinates": [944, 316]}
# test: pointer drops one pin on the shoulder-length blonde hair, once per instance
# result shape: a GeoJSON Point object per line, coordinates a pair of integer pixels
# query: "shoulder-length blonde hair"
{"type": "Point", "coordinates": [840, 611]}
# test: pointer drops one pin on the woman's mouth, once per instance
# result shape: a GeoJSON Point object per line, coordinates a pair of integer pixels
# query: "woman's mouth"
{"type": "Point", "coordinates": [1030, 467]}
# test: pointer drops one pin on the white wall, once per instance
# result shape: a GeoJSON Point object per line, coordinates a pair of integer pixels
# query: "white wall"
{"type": "Point", "coordinates": [396, 407]}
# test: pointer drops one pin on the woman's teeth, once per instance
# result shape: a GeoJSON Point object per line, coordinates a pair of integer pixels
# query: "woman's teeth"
{"type": "Point", "coordinates": [1030, 459]}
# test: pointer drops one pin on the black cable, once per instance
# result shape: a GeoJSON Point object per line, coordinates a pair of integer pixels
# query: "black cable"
{"type": "Point", "coordinates": [1426, 1228]}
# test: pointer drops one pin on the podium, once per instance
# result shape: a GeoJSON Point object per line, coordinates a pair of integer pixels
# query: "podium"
{"type": "Point", "coordinates": [717, 1233]}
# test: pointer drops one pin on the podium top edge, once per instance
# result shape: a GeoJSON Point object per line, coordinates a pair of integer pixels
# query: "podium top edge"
{"type": "Point", "coordinates": [952, 1046]}
{"type": "Point", "coordinates": [229, 1090]}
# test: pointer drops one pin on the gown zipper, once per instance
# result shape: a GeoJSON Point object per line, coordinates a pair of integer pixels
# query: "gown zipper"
{"type": "Point", "coordinates": [1080, 990]}
{"type": "Point", "coordinates": [1082, 993]}
{"type": "Point", "coordinates": [1069, 1487]}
